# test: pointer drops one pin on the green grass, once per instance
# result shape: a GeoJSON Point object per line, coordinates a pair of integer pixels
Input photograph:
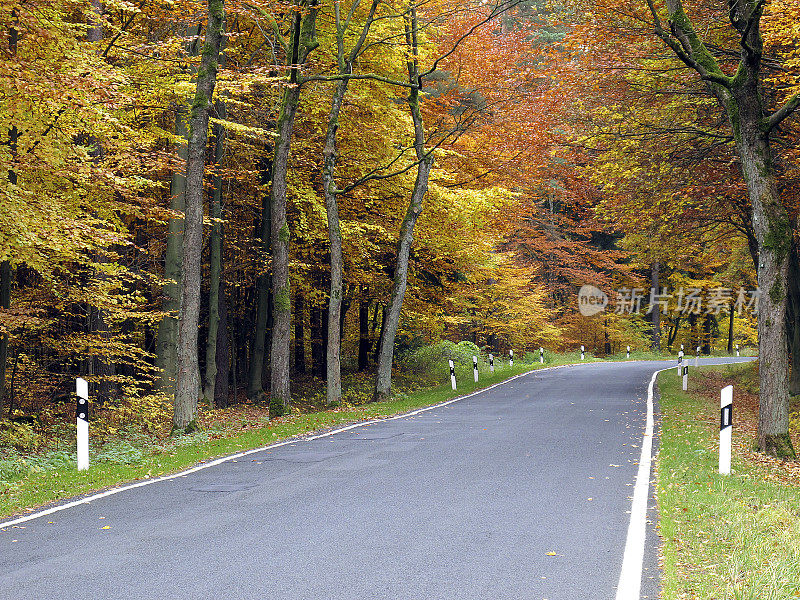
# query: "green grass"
{"type": "Point", "coordinates": [724, 537]}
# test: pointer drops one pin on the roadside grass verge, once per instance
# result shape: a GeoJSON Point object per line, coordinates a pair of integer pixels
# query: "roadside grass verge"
{"type": "Point", "coordinates": [35, 480]}
{"type": "Point", "coordinates": [731, 537]}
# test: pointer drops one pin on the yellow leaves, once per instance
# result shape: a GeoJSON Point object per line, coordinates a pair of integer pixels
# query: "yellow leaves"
{"type": "Point", "coordinates": [246, 130]}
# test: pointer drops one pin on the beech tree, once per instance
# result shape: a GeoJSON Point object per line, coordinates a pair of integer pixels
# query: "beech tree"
{"type": "Point", "coordinates": [187, 384]}
{"type": "Point", "coordinates": [302, 40]}
{"type": "Point", "coordinates": [752, 122]}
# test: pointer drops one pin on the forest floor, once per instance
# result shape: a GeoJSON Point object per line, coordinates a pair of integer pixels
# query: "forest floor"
{"type": "Point", "coordinates": [725, 537]}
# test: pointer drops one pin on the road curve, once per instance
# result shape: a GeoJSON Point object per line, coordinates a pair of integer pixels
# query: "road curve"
{"type": "Point", "coordinates": [519, 492]}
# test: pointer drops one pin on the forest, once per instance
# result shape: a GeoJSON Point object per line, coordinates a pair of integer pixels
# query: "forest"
{"type": "Point", "coordinates": [236, 203]}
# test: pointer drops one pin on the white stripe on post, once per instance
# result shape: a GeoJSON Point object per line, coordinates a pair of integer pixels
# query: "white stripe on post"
{"type": "Point", "coordinates": [82, 422]}
{"type": "Point", "coordinates": [541, 355]}
{"type": "Point", "coordinates": [453, 375]}
{"type": "Point", "coordinates": [511, 358]}
{"type": "Point", "coordinates": [475, 367]}
{"type": "Point", "coordinates": [725, 429]}
{"type": "Point", "coordinates": [491, 363]}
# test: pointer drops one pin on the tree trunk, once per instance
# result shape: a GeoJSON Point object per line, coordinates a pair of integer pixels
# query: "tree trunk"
{"type": "Point", "coordinates": [706, 345]}
{"type": "Point", "coordinates": [299, 333]}
{"type": "Point", "coordinates": [793, 321]}
{"type": "Point", "coordinates": [280, 392]}
{"type": "Point", "coordinates": [383, 378]}
{"type": "Point", "coordinates": [773, 231]}
{"type": "Point", "coordinates": [335, 313]}
{"type": "Point", "coordinates": [223, 356]}
{"type": "Point", "coordinates": [379, 310]}
{"type": "Point", "coordinates": [318, 349]}
{"type": "Point", "coordinates": [5, 303]}
{"type": "Point", "coordinates": [255, 381]}
{"type": "Point", "coordinates": [167, 337]}
{"type": "Point", "coordinates": [215, 264]}
{"type": "Point", "coordinates": [334, 367]}
{"type": "Point", "coordinates": [187, 385]}
{"type": "Point", "coordinates": [364, 345]}
{"type": "Point", "coordinates": [730, 330]}
{"type": "Point", "coordinates": [5, 266]}
{"type": "Point", "coordinates": [303, 43]}
{"type": "Point", "coordinates": [655, 316]}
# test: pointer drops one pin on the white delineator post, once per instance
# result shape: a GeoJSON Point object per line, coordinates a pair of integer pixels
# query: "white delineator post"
{"type": "Point", "coordinates": [680, 362]}
{"type": "Point", "coordinates": [453, 375]}
{"type": "Point", "coordinates": [681, 348]}
{"type": "Point", "coordinates": [725, 429]}
{"type": "Point", "coordinates": [628, 354]}
{"type": "Point", "coordinates": [697, 360]}
{"type": "Point", "coordinates": [82, 422]}
{"type": "Point", "coordinates": [541, 355]}
{"type": "Point", "coordinates": [737, 349]}
{"type": "Point", "coordinates": [685, 376]}
{"type": "Point", "coordinates": [491, 363]}
{"type": "Point", "coordinates": [511, 358]}
{"type": "Point", "coordinates": [475, 367]}
{"type": "Point", "coordinates": [583, 353]}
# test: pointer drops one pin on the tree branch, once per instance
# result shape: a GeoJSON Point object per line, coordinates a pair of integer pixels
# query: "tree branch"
{"type": "Point", "coordinates": [783, 112]}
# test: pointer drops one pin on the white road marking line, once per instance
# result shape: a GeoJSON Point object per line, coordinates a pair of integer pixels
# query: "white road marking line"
{"type": "Point", "coordinates": [234, 457]}
{"type": "Point", "coordinates": [630, 578]}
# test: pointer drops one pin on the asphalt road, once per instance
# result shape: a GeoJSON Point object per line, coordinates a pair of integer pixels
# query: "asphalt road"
{"type": "Point", "coordinates": [520, 492]}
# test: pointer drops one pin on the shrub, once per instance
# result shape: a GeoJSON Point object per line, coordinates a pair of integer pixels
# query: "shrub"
{"type": "Point", "coordinates": [430, 362]}
{"type": "Point", "coordinates": [19, 435]}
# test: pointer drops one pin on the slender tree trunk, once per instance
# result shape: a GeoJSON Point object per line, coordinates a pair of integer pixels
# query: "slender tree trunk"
{"type": "Point", "coordinates": [223, 356]}
{"type": "Point", "coordinates": [730, 330]}
{"type": "Point", "coordinates": [5, 303]}
{"type": "Point", "coordinates": [215, 266]}
{"type": "Point", "coordinates": [793, 321]}
{"type": "Point", "coordinates": [187, 385]}
{"type": "Point", "coordinates": [299, 333]}
{"type": "Point", "coordinates": [706, 345]}
{"type": "Point", "coordinates": [317, 343]}
{"type": "Point", "coordinates": [382, 311]}
{"type": "Point", "coordinates": [655, 316]}
{"type": "Point", "coordinates": [383, 381]}
{"type": "Point", "coordinates": [303, 42]}
{"type": "Point", "coordinates": [167, 338]}
{"type": "Point", "coordinates": [383, 378]}
{"type": "Point", "coordinates": [335, 313]}
{"type": "Point", "coordinates": [280, 392]}
{"type": "Point", "coordinates": [334, 367]}
{"type": "Point", "coordinates": [255, 385]}
{"type": "Point", "coordinates": [5, 266]}
{"type": "Point", "coordinates": [364, 345]}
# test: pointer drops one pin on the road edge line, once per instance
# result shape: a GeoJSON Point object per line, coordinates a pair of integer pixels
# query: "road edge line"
{"type": "Point", "coordinates": [630, 577]}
